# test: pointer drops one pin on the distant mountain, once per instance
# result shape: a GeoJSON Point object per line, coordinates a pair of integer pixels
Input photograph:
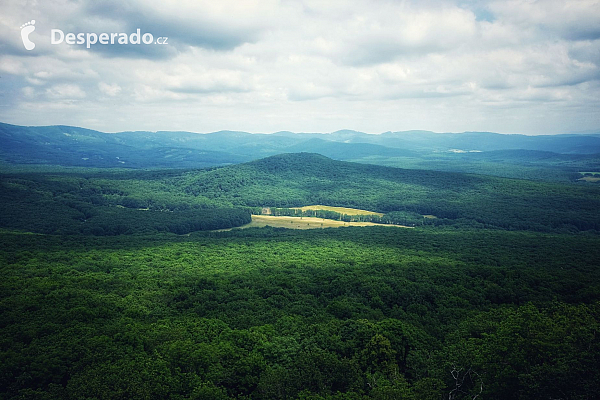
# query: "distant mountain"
{"type": "Point", "coordinates": [347, 151]}
{"type": "Point", "coordinates": [73, 146]}
{"type": "Point", "coordinates": [487, 141]}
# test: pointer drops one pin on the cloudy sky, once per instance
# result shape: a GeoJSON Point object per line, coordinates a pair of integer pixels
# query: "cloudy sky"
{"type": "Point", "coordinates": [510, 66]}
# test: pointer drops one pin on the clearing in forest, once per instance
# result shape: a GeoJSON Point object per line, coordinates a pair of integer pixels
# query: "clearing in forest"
{"type": "Point", "coordinates": [259, 221]}
{"type": "Point", "coordinates": [590, 176]}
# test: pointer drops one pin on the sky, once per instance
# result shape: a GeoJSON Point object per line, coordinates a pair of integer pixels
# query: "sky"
{"type": "Point", "coordinates": [510, 66]}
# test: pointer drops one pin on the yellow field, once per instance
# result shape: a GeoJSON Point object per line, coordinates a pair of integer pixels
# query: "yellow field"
{"type": "Point", "coordinates": [590, 178]}
{"type": "Point", "coordinates": [341, 210]}
{"type": "Point", "coordinates": [429, 216]}
{"type": "Point", "coordinates": [259, 221]}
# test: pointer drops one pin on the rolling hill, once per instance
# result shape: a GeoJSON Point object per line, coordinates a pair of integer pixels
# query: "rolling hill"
{"type": "Point", "coordinates": [85, 198]}
{"type": "Point", "coordinates": [533, 157]}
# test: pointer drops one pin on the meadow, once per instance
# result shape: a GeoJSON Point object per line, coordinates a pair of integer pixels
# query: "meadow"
{"type": "Point", "coordinates": [259, 221]}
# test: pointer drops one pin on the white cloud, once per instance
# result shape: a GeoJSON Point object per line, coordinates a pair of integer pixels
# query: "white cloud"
{"type": "Point", "coordinates": [10, 65]}
{"type": "Point", "coordinates": [108, 89]}
{"type": "Point", "coordinates": [28, 91]}
{"type": "Point", "coordinates": [310, 65]}
{"type": "Point", "coordinates": [65, 91]}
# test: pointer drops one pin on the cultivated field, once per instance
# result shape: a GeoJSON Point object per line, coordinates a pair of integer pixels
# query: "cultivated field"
{"type": "Point", "coordinates": [590, 176]}
{"type": "Point", "coordinates": [595, 178]}
{"type": "Point", "coordinates": [259, 221]}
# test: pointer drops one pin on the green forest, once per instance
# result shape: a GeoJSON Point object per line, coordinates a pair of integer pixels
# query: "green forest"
{"type": "Point", "coordinates": [124, 284]}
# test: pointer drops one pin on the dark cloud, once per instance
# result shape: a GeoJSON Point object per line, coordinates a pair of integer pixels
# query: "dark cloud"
{"type": "Point", "coordinates": [182, 30]}
{"type": "Point", "coordinates": [583, 33]}
{"type": "Point", "coordinates": [587, 53]}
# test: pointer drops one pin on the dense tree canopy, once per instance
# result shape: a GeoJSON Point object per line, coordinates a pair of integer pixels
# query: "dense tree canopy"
{"type": "Point", "coordinates": [269, 314]}
{"type": "Point", "coordinates": [103, 297]}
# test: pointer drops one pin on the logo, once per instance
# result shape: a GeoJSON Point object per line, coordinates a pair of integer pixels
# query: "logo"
{"type": "Point", "coordinates": [89, 39]}
{"type": "Point", "coordinates": [26, 29]}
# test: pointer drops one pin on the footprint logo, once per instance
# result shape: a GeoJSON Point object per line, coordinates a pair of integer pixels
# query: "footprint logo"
{"type": "Point", "coordinates": [26, 29]}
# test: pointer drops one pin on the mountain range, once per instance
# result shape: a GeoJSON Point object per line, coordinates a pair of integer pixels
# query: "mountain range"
{"type": "Point", "coordinates": [463, 152]}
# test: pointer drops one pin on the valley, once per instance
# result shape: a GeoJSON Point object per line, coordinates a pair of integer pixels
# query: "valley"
{"type": "Point", "coordinates": [225, 281]}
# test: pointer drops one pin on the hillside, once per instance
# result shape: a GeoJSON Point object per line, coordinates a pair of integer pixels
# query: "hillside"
{"type": "Point", "coordinates": [476, 152]}
{"type": "Point", "coordinates": [85, 199]}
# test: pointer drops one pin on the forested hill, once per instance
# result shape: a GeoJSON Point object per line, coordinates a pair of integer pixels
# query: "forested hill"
{"type": "Point", "coordinates": [292, 180]}
{"type": "Point", "coordinates": [114, 202]}
{"type": "Point", "coordinates": [551, 157]}
{"type": "Point", "coordinates": [308, 178]}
